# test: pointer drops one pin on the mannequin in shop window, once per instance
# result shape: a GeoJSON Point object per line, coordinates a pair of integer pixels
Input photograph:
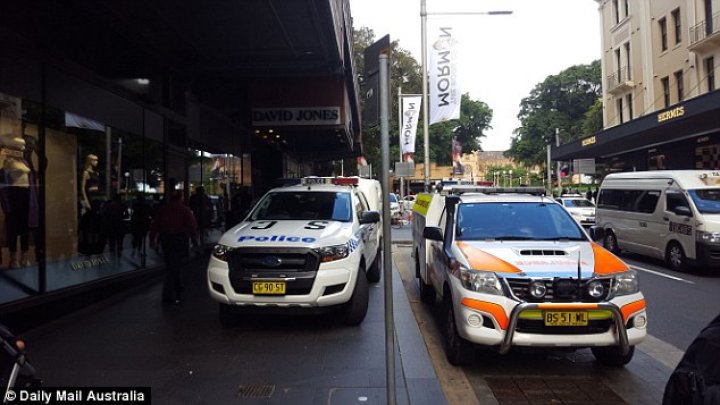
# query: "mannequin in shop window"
{"type": "Point", "coordinates": [15, 198]}
{"type": "Point", "coordinates": [90, 182]}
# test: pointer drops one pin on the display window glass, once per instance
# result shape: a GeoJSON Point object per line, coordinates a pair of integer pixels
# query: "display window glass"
{"type": "Point", "coordinates": [20, 167]}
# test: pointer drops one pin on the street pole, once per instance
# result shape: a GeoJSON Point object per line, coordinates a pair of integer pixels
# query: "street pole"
{"type": "Point", "coordinates": [548, 184]}
{"type": "Point", "coordinates": [387, 248]}
{"type": "Point", "coordinates": [400, 146]}
{"type": "Point", "coordinates": [425, 97]}
{"type": "Point", "coordinates": [557, 144]}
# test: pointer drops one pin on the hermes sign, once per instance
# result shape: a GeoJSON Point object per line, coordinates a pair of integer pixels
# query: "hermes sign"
{"type": "Point", "coordinates": [264, 117]}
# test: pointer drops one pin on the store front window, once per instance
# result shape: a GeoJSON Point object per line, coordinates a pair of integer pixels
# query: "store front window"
{"type": "Point", "coordinates": [19, 196]}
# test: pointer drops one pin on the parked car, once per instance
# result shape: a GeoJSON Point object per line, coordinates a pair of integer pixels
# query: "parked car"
{"type": "Point", "coordinates": [579, 207]}
{"type": "Point", "coordinates": [408, 202]}
{"type": "Point", "coordinates": [394, 205]}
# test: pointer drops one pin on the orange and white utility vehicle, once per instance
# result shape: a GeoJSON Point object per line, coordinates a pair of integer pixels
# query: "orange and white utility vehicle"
{"type": "Point", "coordinates": [513, 268]}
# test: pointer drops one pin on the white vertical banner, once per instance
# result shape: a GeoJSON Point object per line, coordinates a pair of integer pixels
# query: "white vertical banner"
{"type": "Point", "coordinates": [445, 92]}
{"type": "Point", "coordinates": [410, 114]}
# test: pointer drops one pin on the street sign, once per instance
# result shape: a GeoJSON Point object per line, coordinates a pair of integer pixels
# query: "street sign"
{"type": "Point", "coordinates": [404, 169]}
{"type": "Point", "coordinates": [584, 166]}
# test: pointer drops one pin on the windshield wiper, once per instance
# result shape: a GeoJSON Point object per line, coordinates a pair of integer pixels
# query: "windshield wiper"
{"type": "Point", "coordinates": [561, 238]}
{"type": "Point", "coordinates": [513, 238]}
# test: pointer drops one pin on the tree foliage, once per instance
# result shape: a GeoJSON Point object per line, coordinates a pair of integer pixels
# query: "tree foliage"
{"type": "Point", "coordinates": [569, 101]}
{"type": "Point", "coordinates": [406, 75]}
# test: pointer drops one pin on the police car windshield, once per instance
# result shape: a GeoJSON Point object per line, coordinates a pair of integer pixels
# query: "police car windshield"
{"type": "Point", "coordinates": [515, 221]}
{"type": "Point", "coordinates": [707, 200]}
{"type": "Point", "coordinates": [303, 205]}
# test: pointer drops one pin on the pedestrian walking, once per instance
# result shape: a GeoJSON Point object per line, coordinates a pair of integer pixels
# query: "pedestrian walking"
{"type": "Point", "coordinates": [140, 222]}
{"type": "Point", "coordinates": [176, 225]}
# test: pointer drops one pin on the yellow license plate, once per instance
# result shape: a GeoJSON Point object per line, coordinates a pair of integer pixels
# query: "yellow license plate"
{"type": "Point", "coordinates": [268, 287]}
{"type": "Point", "coordinates": [566, 318]}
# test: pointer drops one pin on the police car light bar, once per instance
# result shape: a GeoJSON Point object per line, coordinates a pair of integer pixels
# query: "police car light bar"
{"type": "Point", "coordinates": [338, 181]}
{"type": "Point", "coordinates": [497, 190]}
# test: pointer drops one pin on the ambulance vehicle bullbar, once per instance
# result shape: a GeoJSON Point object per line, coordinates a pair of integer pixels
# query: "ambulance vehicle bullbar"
{"type": "Point", "coordinates": [311, 247]}
{"type": "Point", "coordinates": [512, 268]}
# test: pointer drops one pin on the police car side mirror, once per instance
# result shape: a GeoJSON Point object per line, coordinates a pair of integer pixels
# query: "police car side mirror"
{"type": "Point", "coordinates": [433, 233]}
{"type": "Point", "coordinates": [596, 233]}
{"type": "Point", "coordinates": [369, 217]}
{"type": "Point", "coordinates": [682, 211]}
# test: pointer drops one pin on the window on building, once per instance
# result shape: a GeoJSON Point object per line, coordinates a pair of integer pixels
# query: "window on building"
{"type": "Point", "coordinates": [666, 90]}
{"type": "Point", "coordinates": [616, 10]}
{"type": "Point", "coordinates": [618, 63]}
{"type": "Point", "coordinates": [627, 60]}
{"type": "Point", "coordinates": [619, 104]}
{"type": "Point", "coordinates": [680, 85]}
{"type": "Point", "coordinates": [629, 101]}
{"type": "Point", "coordinates": [662, 23]}
{"type": "Point", "coordinates": [627, 7]}
{"type": "Point", "coordinates": [710, 70]}
{"type": "Point", "coordinates": [678, 25]}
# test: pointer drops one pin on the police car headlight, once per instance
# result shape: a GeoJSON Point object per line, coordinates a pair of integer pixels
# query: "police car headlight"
{"type": "Point", "coordinates": [221, 252]}
{"type": "Point", "coordinates": [481, 281]}
{"type": "Point", "coordinates": [332, 253]}
{"type": "Point", "coordinates": [708, 237]}
{"type": "Point", "coordinates": [626, 283]}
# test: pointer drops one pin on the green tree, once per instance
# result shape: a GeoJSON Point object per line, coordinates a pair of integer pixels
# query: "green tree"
{"type": "Point", "coordinates": [569, 101]}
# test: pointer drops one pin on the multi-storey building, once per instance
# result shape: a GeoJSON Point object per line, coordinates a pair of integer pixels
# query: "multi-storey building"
{"type": "Point", "coordinates": [660, 61]}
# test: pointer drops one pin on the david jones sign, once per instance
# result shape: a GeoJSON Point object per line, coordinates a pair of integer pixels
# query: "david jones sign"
{"type": "Point", "coordinates": [295, 116]}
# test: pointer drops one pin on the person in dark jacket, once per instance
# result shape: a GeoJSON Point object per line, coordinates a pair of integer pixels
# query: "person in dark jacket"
{"type": "Point", "coordinates": [176, 225]}
{"type": "Point", "coordinates": [140, 222]}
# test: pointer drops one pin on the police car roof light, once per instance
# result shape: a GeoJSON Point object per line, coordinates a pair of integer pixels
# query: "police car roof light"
{"type": "Point", "coordinates": [345, 181]}
{"type": "Point", "coordinates": [497, 190]}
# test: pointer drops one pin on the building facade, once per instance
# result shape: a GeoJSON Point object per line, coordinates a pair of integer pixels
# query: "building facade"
{"type": "Point", "coordinates": [659, 67]}
{"type": "Point", "coordinates": [107, 107]}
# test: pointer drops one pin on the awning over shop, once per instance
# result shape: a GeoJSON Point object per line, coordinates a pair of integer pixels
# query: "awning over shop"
{"type": "Point", "coordinates": [691, 118]}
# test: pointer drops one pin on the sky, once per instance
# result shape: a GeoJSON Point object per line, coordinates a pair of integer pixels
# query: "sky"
{"type": "Point", "coordinates": [502, 57]}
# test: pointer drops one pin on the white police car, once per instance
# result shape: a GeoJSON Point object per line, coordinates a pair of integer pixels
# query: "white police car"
{"type": "Point", "coordinates": [309, 247]}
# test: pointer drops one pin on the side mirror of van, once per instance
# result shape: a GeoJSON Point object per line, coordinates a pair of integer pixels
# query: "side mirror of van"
{"type": "Point", "coordinates": [432, 233]}
{"type": "Point", "coordinates": [682, 211]}
{"type": "Point", "coordinates": [369, 217]}
{"type": "Point", "coordinates": [596, 233]}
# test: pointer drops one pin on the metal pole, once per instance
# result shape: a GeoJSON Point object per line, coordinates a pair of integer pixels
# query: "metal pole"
{"type": "Point", "coordinates": [425, 99]}
{"type": "Point", "coordinates": [387, 235]}
{"type": "Point", "coordinates": [400, 131]}
{"type": "Point", "coordinates": [557, 144]}
{"type": "Point", "coordinates": [548, 184]}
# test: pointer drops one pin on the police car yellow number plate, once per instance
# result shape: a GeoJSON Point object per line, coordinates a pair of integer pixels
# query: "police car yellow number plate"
{"type": "Point", "coordinates": [566, 318]}
{"type": "Point", "coordinates": [268, 287]}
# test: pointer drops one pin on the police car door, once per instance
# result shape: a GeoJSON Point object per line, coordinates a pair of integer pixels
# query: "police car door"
{"type": "Point", "coordinates": [369, 232]}
{"type": "Point", "coordinates": [680, 223]}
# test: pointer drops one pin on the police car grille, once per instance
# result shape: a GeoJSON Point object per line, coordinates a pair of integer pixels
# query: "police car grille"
{"type": "Point", "coordinates": [557, 290]}
{"type": "Point", "coordinates": [299, 264]}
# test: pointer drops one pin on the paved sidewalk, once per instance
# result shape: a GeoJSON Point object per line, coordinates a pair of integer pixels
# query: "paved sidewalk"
{"type": "Point", "coordinates": [186, 357]}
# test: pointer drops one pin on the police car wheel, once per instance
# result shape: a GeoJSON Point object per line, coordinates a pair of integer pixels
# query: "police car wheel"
{"type": "Point", "coordinates": [458, 351]}
{"type": "Point", "coordinates": [228, 317]}
{"type": "Point", "coordinates": [373, 274]}
{"type": "Point", "coordinates": [675, 256]}
{"type": "Point", "coordinates": [356, 308]}
{"type": "Point", "coordinates": [427, 292]}
{"type": "Point", "coordinates": [612, 355]}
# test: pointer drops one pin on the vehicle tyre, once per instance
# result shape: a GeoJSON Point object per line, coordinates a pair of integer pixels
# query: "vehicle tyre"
{"type": "Point", "coordinates": [458, 351]}
{"type": "Point", "coordinates": [427, 292]}
{"type": "Point", "coordinates": [373, 274]}
{"type": "Point", "coordinates": [228, 317]}
{"type": "Point", "coordinates": [675, 257]}
{"type": "Point", "coordinates": [612, 355]}
{"type": "Point", "coordinates": [356, 308]}
{"type": "Point", "coordinates": [610, 243]}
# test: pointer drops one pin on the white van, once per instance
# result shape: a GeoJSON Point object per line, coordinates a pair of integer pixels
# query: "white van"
{"type": "Point", "coordinates": [668, 214]}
